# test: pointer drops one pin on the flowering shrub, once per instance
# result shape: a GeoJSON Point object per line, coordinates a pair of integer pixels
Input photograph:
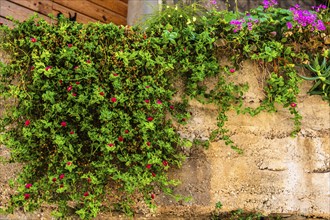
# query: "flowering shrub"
{"type": "Point", "coordinates": [91, 107]}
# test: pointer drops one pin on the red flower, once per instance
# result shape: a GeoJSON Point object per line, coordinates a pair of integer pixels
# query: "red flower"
{"type": "Point", "coordinates": [27, 123]}
{"type": "Point", "coordinates": [293, 105]}
{"type": "Point", "coordinates": [89, 180]}
{"type": "Point", "coordinates": [113, 99]}
{"type": "Point", "coordinates": [74, 94]}
{"type": "Point", "coordinates": [63, 124]}
{"type": "Point", "coordinates": [152, 196]}
{"type": "Point", "coordinates": [148, 166]}
{"type": "Point", "coordinates": [126, 131]}
{"type": "Point", "coordinates": [26, 196]}
{"type": "Point", "coordinates": [28, 186]}
{"type": "Point", "coordinates": [165, 163]}
{"type": "Point", "coordinates": [148, 143]}
{"type": "Point", "coordinates": [88, 61]}
{"type": "Point", "coordinates": [60, 81]}
{"type": "Point", "coordinates": [54, 179]}
{"type": "Point", "coordinates": [69, 163]}
{"type": "Point", "coordinates": [77, 83]}
{"type": "Point", "coordinates": [147, 101]}
{"type": "Point", "coordinates": [115, 74]}
{"type": "Point", "coordinates": [71, 132]}
{"type": "Point", "coordinates": [147, 87]}
{"type": "Point", "coordinates": [76, 67]}
{"type": "Point", "coordinates": [101, 93]}
{"type": "Point", "coordinates": [183, 119]}
{"type": "Point", "coordinates": [61, 176]}
{"type": "Point", "coordinates": [33, 40]}
{"type": "Point", "coordinates": [159, 102]}
{"type": "Point", "coordinates": [153, 174]}
{"type": "Point", "coordinates": [86, 194]}
{"type": "Point", "coordinates": [150, 118]}
{"type": "Point", "coordinates": [69, 45]}
{"type": "Point", "coordinates": [111, 145]}
{"type": "Point", "coordinates": [32, 68]}
{"type": "Point", "coordinates": [69, 88]}
{"type": "Point", "coordinates": [232, 70]}
{"type": "Point", "coordinates": [48, 68]}
{"type": "Point", "coordinates": [120, 138]}
{"type": "Point", "coordinates": [61, 186]}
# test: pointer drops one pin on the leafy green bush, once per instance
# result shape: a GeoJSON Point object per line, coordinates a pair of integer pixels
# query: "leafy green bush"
{"type": "Point", "coordinates": [92, 111]}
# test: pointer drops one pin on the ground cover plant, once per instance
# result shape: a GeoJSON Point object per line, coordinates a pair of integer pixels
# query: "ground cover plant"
{"type": "Point", "coordinates": [91, 112]}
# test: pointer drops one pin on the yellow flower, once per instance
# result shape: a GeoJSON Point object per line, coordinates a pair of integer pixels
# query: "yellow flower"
{"type": "Point", "coordinates": [194, 19]}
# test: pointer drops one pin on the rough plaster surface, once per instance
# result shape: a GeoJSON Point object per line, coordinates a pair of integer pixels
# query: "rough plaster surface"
{"type": "Point", "coordinates": [275, 174]}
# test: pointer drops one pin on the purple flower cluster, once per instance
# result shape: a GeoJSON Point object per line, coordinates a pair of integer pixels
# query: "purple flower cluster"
{"type": "Point", "coordinates": [305, 18]}
{"type": "Point", "coordinates": [238, 24]}
{"type": "Point", "coordinates": [269, 3]}
{"type": "Point", "coordinates": [318, 8]}
{"type": "Point", "coordinates": [213, 2]}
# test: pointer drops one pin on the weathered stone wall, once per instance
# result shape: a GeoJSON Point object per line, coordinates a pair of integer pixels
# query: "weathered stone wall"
{"type": "Point", "coordinates": [275, 174]}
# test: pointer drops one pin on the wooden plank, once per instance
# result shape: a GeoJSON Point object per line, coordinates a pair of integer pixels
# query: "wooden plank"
{"type": "Point", "coordinates": [46, 7]}
{"type": "Point", "coordinates": [4, 21]}
{"type": "Point", "coordinates": [125, 1]}
{"type": "Point", "coordinates": [92, 10]}
{"type": "Point", "coordinates": [17, 12]}
{"type": "Point", "coordinates": [116, 6]}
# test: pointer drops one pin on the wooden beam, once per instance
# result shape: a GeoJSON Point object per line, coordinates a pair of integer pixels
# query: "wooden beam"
{"type": "Point", "coordinates": [116, 6]}
{"type": "Point", "coordinates": [92, 10]}
{"type": "Point", "coordinates": [46, 7]}
{"type": "Point", "coordinates": [126, 1]}
{"type": "Point", "coordinates": [17, 12]}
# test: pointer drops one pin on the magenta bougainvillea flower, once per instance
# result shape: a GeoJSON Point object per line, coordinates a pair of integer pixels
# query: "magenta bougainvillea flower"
{"type": "Point", "coordinates": [86, 194]}
{"type": "Point", "coordinates": [74, 94]}
{"type": "Point", "coordinates": [172, 107]}
{"type": "Point", "coordinates": [69, 163]}
{"type": "Point", "coordinates": [70, 45]}
{"type": "Point", "coordinates": [111, 145]}
{"type": "Point", "coordinates": [148, 166]}
{"type": "Point", "coordinates": [28, 186]}
{"type": "Point", "coordinates": [147, 101]}
{"type": "Point", "coordinates": [150, 118]}
{"type": "Point", "coordinates": [77, 83]}
{"type": "Point", "coordinates": [54, 179]}
{"type": "Point", "coordinates": [148, 143]}
{"type": "Point", "coordinates": [120, 138]}
{"type": "Point", "coordinates": [159, 102]}
{"type": "Point", "coordinates": [48, 68]}
{"type": "Point", "coordinates": [33, 40]}
{"type": "Point", "coordinates": [88, 61]}
{"type": "Point", "coordinates": [61, 176]}
{"type": "Point", "coordinates": [232, 70]}
{"type": "Point", "coordinates": [27, 123]}
{"type": "Point", "coordinates": [126, 131]}
{"type": "Point", "coordinates": [26, 196]}
{"type": "Point", "coordinates": [147, 87]}
{"type": "Point", "coordinates": [69, 88]}
{"type": "Point", "coordinates": [165, 163]}
{"type": "Point", "coordinates": [63, 124]}
{"type": "Point", "coordinates": [113, 99]}
{"type": "Point", "coordinates": [293, 105]}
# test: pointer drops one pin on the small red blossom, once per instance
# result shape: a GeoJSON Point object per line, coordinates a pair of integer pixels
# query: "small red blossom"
{"type": "Point", "coordinates": [86, 194]}
{"type": "Point", "coordinates": [26, 196]}
{"type": "Point", "coordinates": [27, 123]}
{"type": "Point", "coordinates": [70, 45]}
{"type": "Point", "coordinates": [147, 101]}
{"type": "Point", "coordinates": [61, 186]}
{"type": "Point", "coordinates": [232, 70]}
{"type": "Point", "coordinates": [68, 163]}
{"type": "Point", "coordinates": [88, 61]}
{"type": "Point", "coordinates": [74, 94]}
{"type": "Point", "coordinates": [120, 138]}
{"type": "Point", "coordinates": [76, 67]}
{"type": "Point", "coordinates": [159, 102]}
{"type": "Point", "coordinates": [111, 145]}
{"type": "Point", "coordinates": [165, 163]}
{"type": "Point", "coordinates": [69, 88]}
{"type": "Point", "coordinates": [77, 83]}
{"type": "Point", "coordinates": [171, 107]}
{"type": "Point", "coordinates": [32, 68]}
{"type": "Point", "coordinates": [71, 132]}
{"type": "Point", "coordinates": [147, 87]}
{"type": "Point", "coordinates": [89, 180]}
{"type": "Point", "coordinates": [183, 119]}
{"type": "Point", "coordinates": [115, 74]}
{"type": "Point", "coordinates": [148, 143]}
{"type": "Point", "coordinates": [101, 93]}
{"type": "Point", "coordinates": [113, 99]}
{"type": "Point", "coordinates": [61, 176]}
{"type": "Point", "coordinates": [150, 118]}
{"type": "Point", "coordinates": [60, 81]}
{"type": "Point", "coordinates": [28, 186]}
{"type": "Point", "coordinates": [153, 174]}
{"type": "Point", "coordinates": [152, 196]}
{"type": "Point", "coordinates": [48, 68]}
{"type": "Point", "coordinates": [54, 179]}
{"type": "Point", "coordinates": [33, 40]}
{"type": "Point", "coordinates": [293, 105]}
{"type": "Point", "coordinates": [126, 131]}
{"type": "Point", "coordinates": [148, 166]}
{"type": "Point", "coordinates": [63, 124]}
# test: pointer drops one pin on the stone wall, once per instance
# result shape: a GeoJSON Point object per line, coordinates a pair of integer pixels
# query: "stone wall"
{"type": "Point", "coordinates": [275, 174]}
